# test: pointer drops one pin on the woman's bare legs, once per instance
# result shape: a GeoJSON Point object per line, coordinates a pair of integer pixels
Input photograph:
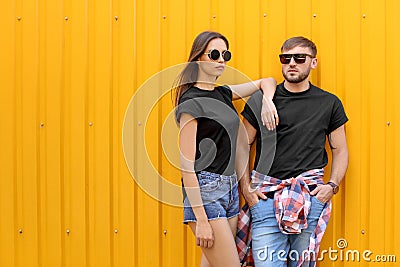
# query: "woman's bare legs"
{"type": "Point", "coordinates": [233, 224]}
{"type": "Point", "coordinates": [204, 262]}
{"type": "Point", "coordinates": [223, 252]}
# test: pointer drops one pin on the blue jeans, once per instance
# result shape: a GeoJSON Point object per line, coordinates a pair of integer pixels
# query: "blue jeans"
{"type": "Point", "coordinates": [273, 248]}
{"type": "Point", "coordinates": [219, 194]}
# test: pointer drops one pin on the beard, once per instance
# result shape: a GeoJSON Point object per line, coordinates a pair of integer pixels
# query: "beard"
{"type": "Point", "coordinates": [296, 79]}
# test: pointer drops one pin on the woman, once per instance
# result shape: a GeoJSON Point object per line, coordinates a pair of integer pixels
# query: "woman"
{"type": "Point", "coordinates": [208, 132]}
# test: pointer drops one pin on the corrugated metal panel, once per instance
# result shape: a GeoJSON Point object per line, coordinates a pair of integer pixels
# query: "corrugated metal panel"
{"type": "Point", "coordinates": [69, 69]}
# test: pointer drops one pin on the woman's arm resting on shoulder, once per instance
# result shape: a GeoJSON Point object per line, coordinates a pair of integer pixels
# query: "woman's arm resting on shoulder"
{"type": "Point", "coordinates": [269, 115]}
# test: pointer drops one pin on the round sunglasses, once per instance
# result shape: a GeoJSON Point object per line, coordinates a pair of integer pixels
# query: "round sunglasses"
{"type": "Point", "coordinates": [214, 54]}
{"type": "Point", "coordinates": [298, 58]}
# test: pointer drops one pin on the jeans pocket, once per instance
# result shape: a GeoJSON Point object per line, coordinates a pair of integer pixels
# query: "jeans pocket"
{"type": "Point", "coordinates": [255, 205]}
{"type": "Point", "coordinates": [209, 185]}
{"type": "Point", "coordinates": [258, 211]}
{"type": "Point", "coordinates": [318, 201]}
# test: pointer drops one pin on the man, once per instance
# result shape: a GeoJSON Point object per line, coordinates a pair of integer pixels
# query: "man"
{"type": "Point", "coordinates": [289, 202]}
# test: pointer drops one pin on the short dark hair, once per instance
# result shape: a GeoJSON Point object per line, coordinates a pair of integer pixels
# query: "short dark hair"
{"type": "Point", "coordinates": [299, 41]}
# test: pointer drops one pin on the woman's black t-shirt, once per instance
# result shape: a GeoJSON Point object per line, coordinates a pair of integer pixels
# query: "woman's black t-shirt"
{"type": "Point", "coordinates": [305, 119]}
{"type": "Point", "coordinates": [217, 127]}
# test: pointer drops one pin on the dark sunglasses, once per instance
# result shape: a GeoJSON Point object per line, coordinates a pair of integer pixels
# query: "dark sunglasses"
{"type": "Point", "coordinates": [214, 54]}
{"type": "Point", "coordinates": [298, 58]}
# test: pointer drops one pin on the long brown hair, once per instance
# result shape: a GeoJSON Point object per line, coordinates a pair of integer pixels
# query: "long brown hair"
{"type": "Point", "coordinates": [188, 77]}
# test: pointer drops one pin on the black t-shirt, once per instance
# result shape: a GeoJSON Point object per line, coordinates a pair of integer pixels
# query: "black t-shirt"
{"type": "Point", "coordinates": [305, 119]}
{"type": "Point", "coordinates": [217, 127]}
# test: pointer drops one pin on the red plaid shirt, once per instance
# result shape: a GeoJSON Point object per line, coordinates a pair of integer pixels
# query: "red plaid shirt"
{"type": "Point", "coordinates": [291, 204]}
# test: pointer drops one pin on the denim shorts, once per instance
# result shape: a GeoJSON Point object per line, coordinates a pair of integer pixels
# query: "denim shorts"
{"type": "Point", "coordinates": [220, 197]}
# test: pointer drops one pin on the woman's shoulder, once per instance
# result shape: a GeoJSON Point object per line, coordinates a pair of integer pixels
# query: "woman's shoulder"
{"type": "Point", "coordinates": [224, 87]}
{"type": "Point", "coordinates": [195, 92]}
{"type": "Point", "coordinates": [191, 93]}
{"type": "Point", "coordinates": [224, 90]}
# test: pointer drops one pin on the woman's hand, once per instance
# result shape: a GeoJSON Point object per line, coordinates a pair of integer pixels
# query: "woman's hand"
{"type": "Point", "coordinates": [204, 234]}
{"type": "Point", "coordinates": [269, 115]}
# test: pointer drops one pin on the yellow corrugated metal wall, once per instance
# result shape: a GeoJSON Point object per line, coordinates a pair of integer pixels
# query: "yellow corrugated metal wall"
{"type": "Point", "coordinates": [68, 70]}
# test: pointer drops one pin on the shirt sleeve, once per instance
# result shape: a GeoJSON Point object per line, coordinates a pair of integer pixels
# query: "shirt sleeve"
{"type": "Point", "coordinates": [252, 109]}
{"type": "Point", "coordinates": [338, 116]}
{"type": "Point", "coordinates": [188, 105]}
{"type": "Point", "coordinates": [226, 91]}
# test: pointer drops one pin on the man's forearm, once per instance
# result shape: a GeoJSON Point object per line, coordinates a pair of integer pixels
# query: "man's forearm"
{"type": "Point", "coordinates": [242, 164]}
{"type": "Point", "coordinates": [340, 159]}
{"type": "Point", "coordinates": [242, 154]}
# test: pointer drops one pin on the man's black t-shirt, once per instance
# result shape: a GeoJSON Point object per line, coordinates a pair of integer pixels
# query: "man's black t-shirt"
{"type": "Point", "coordinates": [305, 119]}
{"type": "Point", "coordinates": [217, 127]}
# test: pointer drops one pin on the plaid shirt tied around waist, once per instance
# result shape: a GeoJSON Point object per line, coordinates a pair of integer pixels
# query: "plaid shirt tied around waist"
{"type": "Point", "coordinates": [292, 202]}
